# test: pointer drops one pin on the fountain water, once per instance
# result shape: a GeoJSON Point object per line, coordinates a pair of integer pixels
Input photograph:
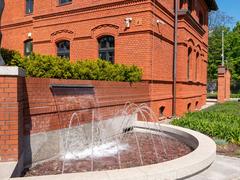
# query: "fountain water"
{"type": "Point", "coordinates": [104, 143]}
{"type": "Point", "coordinates": [77, 144]}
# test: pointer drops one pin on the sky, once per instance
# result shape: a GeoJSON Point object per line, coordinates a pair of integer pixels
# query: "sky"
{"type": "Point", "coordinates": [230, 7]}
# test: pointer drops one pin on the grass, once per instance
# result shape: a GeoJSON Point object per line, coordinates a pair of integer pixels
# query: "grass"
{"type": "Point", "coordinates": [214, 95]}
{"type": "Point", "coordinates": [221, 121]}
{"type": "Point", "coordinates": [235, 95]}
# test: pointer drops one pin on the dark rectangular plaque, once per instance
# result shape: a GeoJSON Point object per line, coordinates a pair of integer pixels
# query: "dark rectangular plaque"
{"type": "Point", "coordinates": [68, 89]}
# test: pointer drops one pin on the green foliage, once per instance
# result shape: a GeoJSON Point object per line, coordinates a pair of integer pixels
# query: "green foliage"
{"type": "Point", "coordinates": [55, 67]}
{"type": "Point", "coordinates": [235, 95]}
{"type": "Point", "coordinates": [215, 96]}
{"type": "Point", "coordinates": [212, 95]}
{"type": "Point", "coordinates": [221, 121]}
{"type": "Point", "coordinates": [10, 57]}
{"type": "Point", "coordinates": [232, 51]}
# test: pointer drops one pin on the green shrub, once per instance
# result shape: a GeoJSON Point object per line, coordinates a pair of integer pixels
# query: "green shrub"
{"type": "Point", "coordinates": [221, 121]}
{"type": "Point", "coordinates": [212, 95]}
{"type": "Point", "coordinates": [10, 57]}
{"type": "Point", "coordinates": [235, 95]}
{"type": "Point", "coordinates": [55, 67]}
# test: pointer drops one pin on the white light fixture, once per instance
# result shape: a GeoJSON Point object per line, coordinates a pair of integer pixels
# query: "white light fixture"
{"type": "Point", "coordinates": [159, 21]}
{"type": "Point", "coordinates": [29, 35]}
{"type": "Point", "coordinates": [128, 21]}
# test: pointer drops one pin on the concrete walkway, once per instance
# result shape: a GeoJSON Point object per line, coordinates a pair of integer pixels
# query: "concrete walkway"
{"type": "Point", "coordinates": [224, 168]}
{"type": "Point", "coordinates": [209, 103]}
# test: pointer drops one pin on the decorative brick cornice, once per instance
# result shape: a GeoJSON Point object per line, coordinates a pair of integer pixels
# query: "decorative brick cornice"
{"type": "Point", "coordinates": [62, 34]}
{"type": "Point", "coordinates": [62, 31]}
{"type": "Point", "coordinates": [184, 14]}
{"type": "Point", "coordinates": [72, 11]}
{"type": "Point", "coordinates": [105, 25]}
{"type": "Point", "coordinates": [11, 25]}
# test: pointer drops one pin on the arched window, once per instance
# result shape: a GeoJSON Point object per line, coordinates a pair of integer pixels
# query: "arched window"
{"type": "Point", "coordinates": [189, 107]}
{"type": "Point", "coordinates": [182, 2]}
{"type": "Point", "coordinates": [190, 5]}
{"type": "Point", "coordinates": [106, 46]}
{"type": "Point", "coordinates": [189, 62]}
{"type": "Point", "coordinates": [196, 105]}
{"type": "Point", "coordinates": [196, 66]}
{"type": "Point", "coordinates": [63, 49]}
{"type": "Point", "coordinates": [201, 18]}
{"type": "Point", "coordinates": [28, 47]}
{"type": "Point", "coordinates": [161, 111]}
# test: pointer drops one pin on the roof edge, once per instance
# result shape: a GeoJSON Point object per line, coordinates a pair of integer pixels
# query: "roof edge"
{"type": "Point", "coordinates": [212, 5]}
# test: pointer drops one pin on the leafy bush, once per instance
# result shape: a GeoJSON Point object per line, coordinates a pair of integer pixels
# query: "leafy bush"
{"type": "Point", "coordinates": [212, 95]}
{"type": "Point", "coordinates": [55, 67]}
{"type": "Point", "coordinates": [10, 57]}
{"type": "Point", "coordinates": [221, 121]}
{"type": "Point", "coordinates": [235, 95]}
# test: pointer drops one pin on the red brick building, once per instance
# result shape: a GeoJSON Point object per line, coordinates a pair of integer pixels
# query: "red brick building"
{"type": "Point", "coordinates": [139, 32]}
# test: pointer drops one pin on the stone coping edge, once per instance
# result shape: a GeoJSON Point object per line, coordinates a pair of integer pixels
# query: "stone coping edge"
{"type": "Point", "coordinates": [6, 169]}
{"type": "Point", "coordinates": [12, 71]}
{"type": "Point", "coordinates": [186, 166]}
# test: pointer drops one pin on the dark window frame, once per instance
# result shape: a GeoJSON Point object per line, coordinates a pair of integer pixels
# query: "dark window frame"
{"type": "Point", "coordinates": [29, 6]}
{"type": "Point", "coordinates": [196, 66]}
{"type": "Point", "coordinates": [161, 111]}
{"type": "Point", "coordinates": [63, 2]}
{"type": "Point", "coordinates": [190, 5]}
{"type": "Point", "coordinates": [182, 2]}
{"type": "Point", "coordinates": [62, 52]}
{"type": "Point", "coordinates": [108, 49]}
{"type": "Point", "coordinates": [189, 62]}
{"type": "Point", "coordinates": [201, 18]}
{"type": "Point", "coordinates": [28, 44]}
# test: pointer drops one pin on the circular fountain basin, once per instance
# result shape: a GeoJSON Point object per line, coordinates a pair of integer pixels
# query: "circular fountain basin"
{"type": "Point", "coordinates": [199, 159]}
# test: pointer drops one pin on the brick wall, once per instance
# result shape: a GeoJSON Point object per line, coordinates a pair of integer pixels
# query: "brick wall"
{"type": "Point", "coordinates": [224, 83]}
{"type": "Point", "coordinates": [47, 110]}
{"type": "Point", "coordinates": [30, 105]}
{"type": "Point", "coordinates": [11, 117]}
{"type": "Point", "coordinates": [146, 44]}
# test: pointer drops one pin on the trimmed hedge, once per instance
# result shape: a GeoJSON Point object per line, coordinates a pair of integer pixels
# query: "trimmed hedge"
{"type": "Point", "coordinates": [215, 96]}
{"type": "Point", "coordinates": [55, 67]}
{"type": "Point", "coordinates": [221, 121]}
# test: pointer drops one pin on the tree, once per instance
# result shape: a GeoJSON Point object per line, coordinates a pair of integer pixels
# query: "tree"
{"type": "Point", "coordinates": [233, 54]}
{"type": "Point", "coordinates": [215, 50]}
{"type": "Point", "coordinates": [219, 19]}
{"type": "Point", "coordinates": [232, 51]}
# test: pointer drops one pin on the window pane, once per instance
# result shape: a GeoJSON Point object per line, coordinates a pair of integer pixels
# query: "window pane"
{"type": "Point", "coordinates": [29, 6]}
{"type": "Point", "coordinates": [190, 5]}
{"type": "Point", "coordinates": [103, 43]}
{"type": "Point", "coordinates": [111, 56]}
{"type": "Point", "coordinates": [28, 48]}
{"type": "Point", "coordinates": [103, 55]}
{"type": "Point", "coordinates": [111, 41]}
{"type": "Point", "coordinates": [63, 49]}
{"type": "Point", "coordinates": [64, 1]}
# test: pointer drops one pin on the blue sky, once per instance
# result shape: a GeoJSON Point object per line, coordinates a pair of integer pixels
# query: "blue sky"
{"type": "Point", "coordinates": [230, 7]}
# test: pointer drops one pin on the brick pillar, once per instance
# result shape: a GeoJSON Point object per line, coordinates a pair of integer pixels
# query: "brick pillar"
{"type": "Point", "coordinates": [11, 108]}
{"type": "Point", "coordinates": [228, 84]}
{"type": "Point", "coordinates": [224, 79]}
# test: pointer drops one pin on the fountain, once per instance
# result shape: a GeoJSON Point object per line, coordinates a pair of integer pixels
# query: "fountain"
{"type": "Point", "coordinates": [130, 139]}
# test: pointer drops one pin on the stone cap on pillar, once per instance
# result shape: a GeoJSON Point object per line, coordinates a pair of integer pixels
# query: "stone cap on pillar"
{"type": "Point", "coordinates": [12, 71]}
{"type": "Point", "coordinates": [222, 69]}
